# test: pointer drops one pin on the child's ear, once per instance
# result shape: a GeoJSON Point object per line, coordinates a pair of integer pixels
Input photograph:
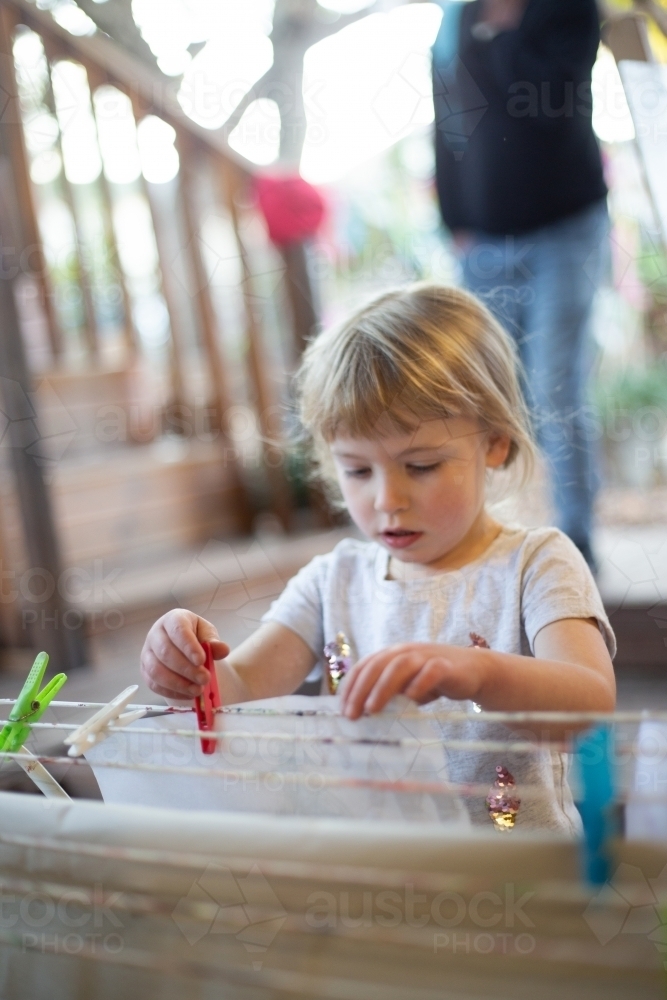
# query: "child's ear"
{"type": "Point", "coordinates": [497, 449]}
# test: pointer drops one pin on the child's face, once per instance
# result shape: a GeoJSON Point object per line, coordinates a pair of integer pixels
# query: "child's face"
{"type": "Point", "coordinates": [420, 494]}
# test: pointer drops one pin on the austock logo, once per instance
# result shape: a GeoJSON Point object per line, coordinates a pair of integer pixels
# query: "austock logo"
{"type": "Point", "coordinates": [234, 579]}
{"type": "Point", "coordinates": [630, 903]}
{"type": "Point", "coordinates": [222, 903]}
{"type": "Point", "coordinates": [21, 426]}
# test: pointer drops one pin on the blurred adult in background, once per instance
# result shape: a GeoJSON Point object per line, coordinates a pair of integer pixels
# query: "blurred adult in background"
{"type": "Point", "coordinates": [520, 185]}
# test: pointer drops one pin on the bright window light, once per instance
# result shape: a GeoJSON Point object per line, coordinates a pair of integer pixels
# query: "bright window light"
{"type": "Point", "coordinates": [612, 121]}
{"type": "Point", "coordinates": [117, 133]}
{"type": "Point", "coordinates": [174, 62]}
{"type": "Point", "coordinates": [151, 320]}
{"type": "Point", "coordinates": [136, 240]}
{"type": "Point", "coordinates": [40, 128]}
{"type": "Point", "coordinates": [81, 152]}
{"type": "Point", "coordinates": [345, 6]}
{"type": "Point", "coordinates": [159, 158]}
{"type": "Point", "coordinates": [41, 131]}
{"type": "Point", "coordinates": [366, 87]}
{"type": "Point", "coordinates": [170, 26]}
{"type": "Point", "coordinates": [70, 17]}
{"type": "Point", "coordinates": [220, 75]}
{"type": "Point", "coordinates": [57, 228]}
{"type": "Point", "coordinates": [31, 67]}
{"type": "Point", "coordinates": [45, 167]}
{"type": "Point", "coordinates": [257, 135]}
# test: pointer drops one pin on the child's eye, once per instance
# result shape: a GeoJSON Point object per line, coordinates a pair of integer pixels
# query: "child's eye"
{"type": "Point", "coordinates": [357, 473]}
{"type": "Point", "coordinates": [425, 468]}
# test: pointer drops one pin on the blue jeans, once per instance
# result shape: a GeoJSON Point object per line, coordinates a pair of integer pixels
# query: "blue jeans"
{"type": "Point", "coordinates": [541, 286]}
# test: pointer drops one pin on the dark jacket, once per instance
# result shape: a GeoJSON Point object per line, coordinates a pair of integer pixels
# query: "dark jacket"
{"type": "Point", "coordinates": [515, 148]}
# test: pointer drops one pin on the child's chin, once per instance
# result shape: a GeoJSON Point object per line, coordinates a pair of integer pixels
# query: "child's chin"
{"type": "Point", "coordinates": [405, 556]}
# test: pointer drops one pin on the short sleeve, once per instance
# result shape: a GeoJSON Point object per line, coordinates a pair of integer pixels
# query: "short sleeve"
{"type": "Point", "coordinates": [299, 607]}
{"type": "Point", "coordinates": [557, 584]}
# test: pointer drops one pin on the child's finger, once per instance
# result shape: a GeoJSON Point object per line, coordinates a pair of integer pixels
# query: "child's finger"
{"type": "Point", "coordinates": [353, 678]}
{"type": "Point", "coordinates": [363, 684]}
{"type": "Point", "coordinates": [426, 684]}
{"type": "Point", "coordinates": [361, 666]}
{"type": "Point", "coordinates": [455, 679]}
{"type": "Point", "coordinates": [393, 680]}
{"type": "Point", "coordinates": [182, 628]}
{"type": "Point", "coordinates": [167, 653]}
{"type": "Point", "coordinates": [171, 695]}
{"type": "Point", "coordinates": [158, 675]}
{"type": "Point", "coordinates": [219, 649]}
{"type": "Point", "coordinates": [207, 632]}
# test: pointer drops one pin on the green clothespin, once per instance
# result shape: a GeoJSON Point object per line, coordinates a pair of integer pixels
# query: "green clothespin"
{"type": "Point", "coordinates": [30, 705]}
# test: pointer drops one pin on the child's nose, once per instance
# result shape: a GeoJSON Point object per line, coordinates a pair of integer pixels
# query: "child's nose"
{"type": "Point", "coordinates": [390, 498]}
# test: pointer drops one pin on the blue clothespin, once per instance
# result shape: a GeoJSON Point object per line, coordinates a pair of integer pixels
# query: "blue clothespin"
{"type": "Point", "coordinates": [594, 751]}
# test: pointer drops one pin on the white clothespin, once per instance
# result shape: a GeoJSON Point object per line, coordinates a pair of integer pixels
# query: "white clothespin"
{"type": "Point", "coordinates": [97, 727]}
{"type": "Point", "coordinates": [41, 777]}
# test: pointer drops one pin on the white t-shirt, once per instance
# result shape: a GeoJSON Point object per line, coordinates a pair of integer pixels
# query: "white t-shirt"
{"type": "Point", "coordinates": [526, 579]}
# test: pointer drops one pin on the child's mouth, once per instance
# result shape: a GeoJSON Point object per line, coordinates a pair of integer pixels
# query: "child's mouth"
{"type": "Point", "coordinates": [400, 538]}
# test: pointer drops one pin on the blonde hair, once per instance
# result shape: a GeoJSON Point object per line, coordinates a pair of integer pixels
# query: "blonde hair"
{"type": "Point", "coordinates": [420, 352]}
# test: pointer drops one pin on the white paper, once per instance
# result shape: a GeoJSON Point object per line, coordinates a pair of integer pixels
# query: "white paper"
{"type": "Point", "coordinates": [275, 790]}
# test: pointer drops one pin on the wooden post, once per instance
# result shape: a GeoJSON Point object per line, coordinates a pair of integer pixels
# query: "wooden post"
{"type": "Point", "coordinates": [28, 232]}
{"type": "Point", "coordinates": [96, 78]}
{"type": "Point", "coordinates": [199, 277]}
{"type": "Point", "coordinates": [178, 394]}
{"type": "Point", "coordinates": [627, 37]}
{"type": "Point", "coordinates": [166, 281]}
{"type": "Point", "coordinates": [273, 457]}
{"type": "Point", "coordinates": [208, 320]}
{"type": "Point", "coordinates": [50, 624]}
{"type": "Point", "coordinates": [300, 294]}
{"type": "Point", "coordinates": [129, 331]}
{"type": "Point", "coordinates": [90, 331]}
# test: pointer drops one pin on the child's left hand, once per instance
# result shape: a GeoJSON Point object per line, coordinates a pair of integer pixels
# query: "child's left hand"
{"type": "Point", "coordinates": [421, 671]}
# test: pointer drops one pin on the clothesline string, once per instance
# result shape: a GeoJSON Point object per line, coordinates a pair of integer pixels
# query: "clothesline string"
{"type": "Point", "coordinates": [496, 746]}
{"type": "Point", "coordinates": [455, 715]}
{"type": "Point", "coordinates": [313, 781]}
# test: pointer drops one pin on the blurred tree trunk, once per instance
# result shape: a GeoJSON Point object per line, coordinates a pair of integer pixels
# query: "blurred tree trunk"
{"type": "Point", "coordinates": [115, 19]}
{"type": "Point", "coordinates": [297, 25]}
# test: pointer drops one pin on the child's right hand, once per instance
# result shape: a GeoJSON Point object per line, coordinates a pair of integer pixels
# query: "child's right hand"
{"type": "Point", "coordinates": [172, 660]}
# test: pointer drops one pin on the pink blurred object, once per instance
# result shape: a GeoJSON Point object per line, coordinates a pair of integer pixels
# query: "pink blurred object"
{"type": "Point", "coordinates": [292, 207]}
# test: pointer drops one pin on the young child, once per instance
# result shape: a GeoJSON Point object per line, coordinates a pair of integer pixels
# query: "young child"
{"type": "Point", "coordinates": [409, 406]}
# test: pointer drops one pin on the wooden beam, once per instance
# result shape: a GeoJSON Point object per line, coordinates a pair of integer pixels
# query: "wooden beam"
{"type": "Point", "coordinates": [281, 500]}
{"type": "Point", "coordinates": [27, 229]}
{"type": "Point", "coordinates": [90, 328]}
{"type": "Point", "coordinates": [177, 338]}
{"type": "Point", "coordinates": [301, 295]}
{"type": "Point", "coordinates": [130, 335]}
{"type": "Point", "coordinates": [627, 37]}
{"type": "Point", "coordinates": [49, 624]}
{"type": "Point", "coordinates": [95, 80]}
{"type": "Point", "coordinates": [128, 73]}
{"type": "Point", "coordinates": [166, 278]}
{"type": "Point", "coordinates": [209, 323]}
{"type": "Point", "coordinates": [201, 291]}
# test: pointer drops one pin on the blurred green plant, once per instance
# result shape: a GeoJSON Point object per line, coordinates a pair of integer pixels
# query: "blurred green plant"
{"type": "Point", "coordinates": [632, 390]}
{"type": "Point", "coordinates": [299, 472]}
{"type": "Point", "coordinates": [652, 269]}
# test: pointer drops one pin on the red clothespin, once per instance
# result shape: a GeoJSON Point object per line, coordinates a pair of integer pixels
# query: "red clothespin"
{"type": "Point", "coordinates": [208, 701]}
